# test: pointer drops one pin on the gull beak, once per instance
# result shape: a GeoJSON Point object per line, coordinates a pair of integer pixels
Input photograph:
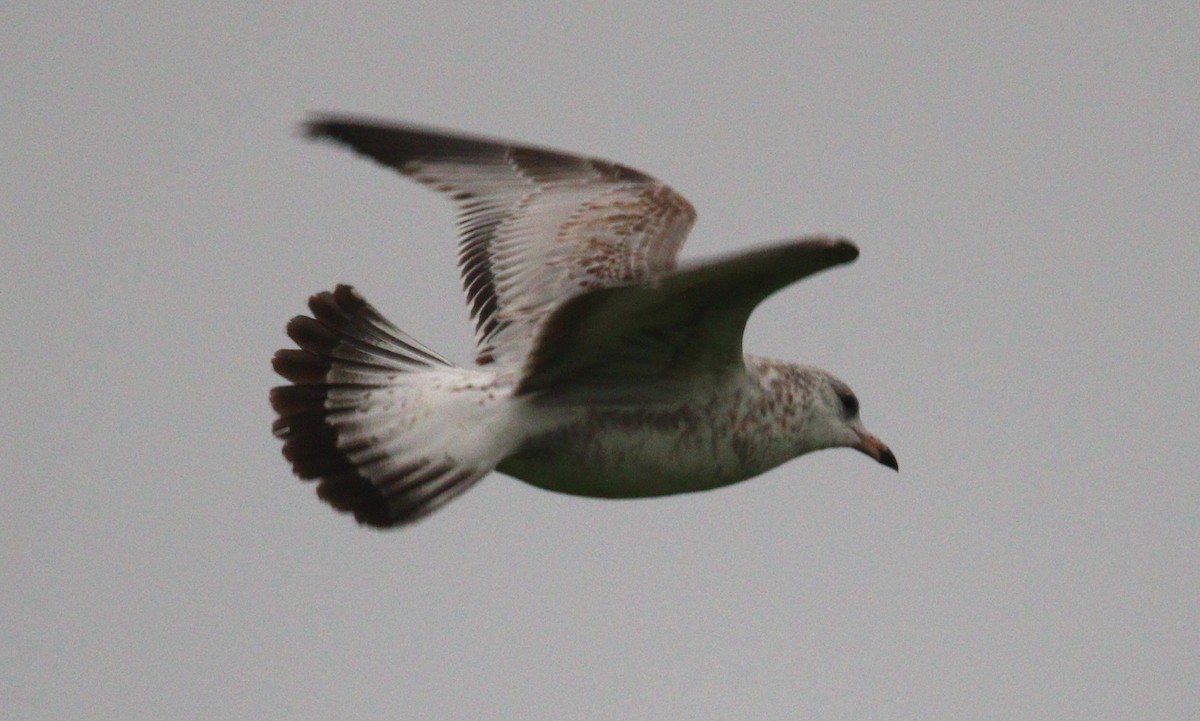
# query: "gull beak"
{"type": "Point", "coordinates": [873, 447]}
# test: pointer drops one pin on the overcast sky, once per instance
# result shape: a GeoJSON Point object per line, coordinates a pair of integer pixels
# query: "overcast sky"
{"type": "Point", "coordinates": [1022, 328]}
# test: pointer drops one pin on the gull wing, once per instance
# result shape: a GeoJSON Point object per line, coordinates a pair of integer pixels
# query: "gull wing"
{"type": "Point", "coordinates": [675, 326]}
{"type": "Point", "coordinates": [535, 226]}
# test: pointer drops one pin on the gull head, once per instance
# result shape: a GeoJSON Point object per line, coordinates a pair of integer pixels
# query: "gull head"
{"type": "Point", "coordinates": [833, 420]}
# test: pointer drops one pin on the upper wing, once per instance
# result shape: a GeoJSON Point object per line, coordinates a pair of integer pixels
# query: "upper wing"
{"type": "Point", "coordinates": [673, 326]}
{"type": "Point", "coordinates": [535, 226]}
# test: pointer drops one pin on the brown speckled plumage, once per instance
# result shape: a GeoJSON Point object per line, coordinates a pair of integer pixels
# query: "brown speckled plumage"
{"type": "Point", "coordinates": [603, 367]}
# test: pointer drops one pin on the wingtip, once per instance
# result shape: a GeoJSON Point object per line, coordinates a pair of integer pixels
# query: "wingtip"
{"type": "Point", "coordinates": [317, 126]}
{"type": "Point", "coordinates": [328, 125]}
{"type": "Point", "coordinates": [836, 248]}
{"type": "Point", "coordinates": [845, 248]}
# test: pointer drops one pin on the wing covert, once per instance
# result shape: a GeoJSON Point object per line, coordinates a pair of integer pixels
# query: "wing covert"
{"type": "Point", "coordinates": [674, 326]}
{"type": "Point", "coordinates": [536, 226]}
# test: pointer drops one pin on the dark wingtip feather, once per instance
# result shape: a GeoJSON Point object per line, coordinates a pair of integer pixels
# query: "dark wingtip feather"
{"type": "Point", "coordinates": [395, 144]}
{"type": "Point", "coordinates": [312, 129]}
{"type": "Point", "coordinates": [845, 249]}
{"type": "Point", "coordinates": [322, 125]}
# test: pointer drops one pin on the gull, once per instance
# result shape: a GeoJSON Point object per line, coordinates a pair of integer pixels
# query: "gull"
{"type": "Point", "coordinates": [603, 367]}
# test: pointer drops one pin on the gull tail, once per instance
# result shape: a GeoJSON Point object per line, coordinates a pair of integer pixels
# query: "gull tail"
{"type": "Point", "coordinates": [391, 430]}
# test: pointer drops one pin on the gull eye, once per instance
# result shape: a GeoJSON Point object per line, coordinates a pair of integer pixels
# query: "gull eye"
{"type": "Point", "coordinates": [849, 403]}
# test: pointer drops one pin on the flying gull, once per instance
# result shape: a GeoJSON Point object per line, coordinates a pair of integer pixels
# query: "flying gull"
{"type": "Point", "coordinates": [602, 369]}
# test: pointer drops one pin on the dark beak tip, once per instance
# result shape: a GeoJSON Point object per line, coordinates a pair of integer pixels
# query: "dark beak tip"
{"type": "Point", "coordinates": [888, 459]}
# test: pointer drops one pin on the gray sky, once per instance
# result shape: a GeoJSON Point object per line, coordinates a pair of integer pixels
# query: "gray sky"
{"type": "Point", "coordinates": [1022, 328]}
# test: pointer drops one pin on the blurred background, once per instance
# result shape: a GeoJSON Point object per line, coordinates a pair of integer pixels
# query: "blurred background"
{"type": "Point", "coordinates": [1021, 328]}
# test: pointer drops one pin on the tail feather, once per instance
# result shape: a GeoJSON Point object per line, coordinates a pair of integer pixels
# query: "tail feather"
{"type": "Point", "coordinates": [343, 420]}
{"type": "Point", "coordinates": [368, 330]}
